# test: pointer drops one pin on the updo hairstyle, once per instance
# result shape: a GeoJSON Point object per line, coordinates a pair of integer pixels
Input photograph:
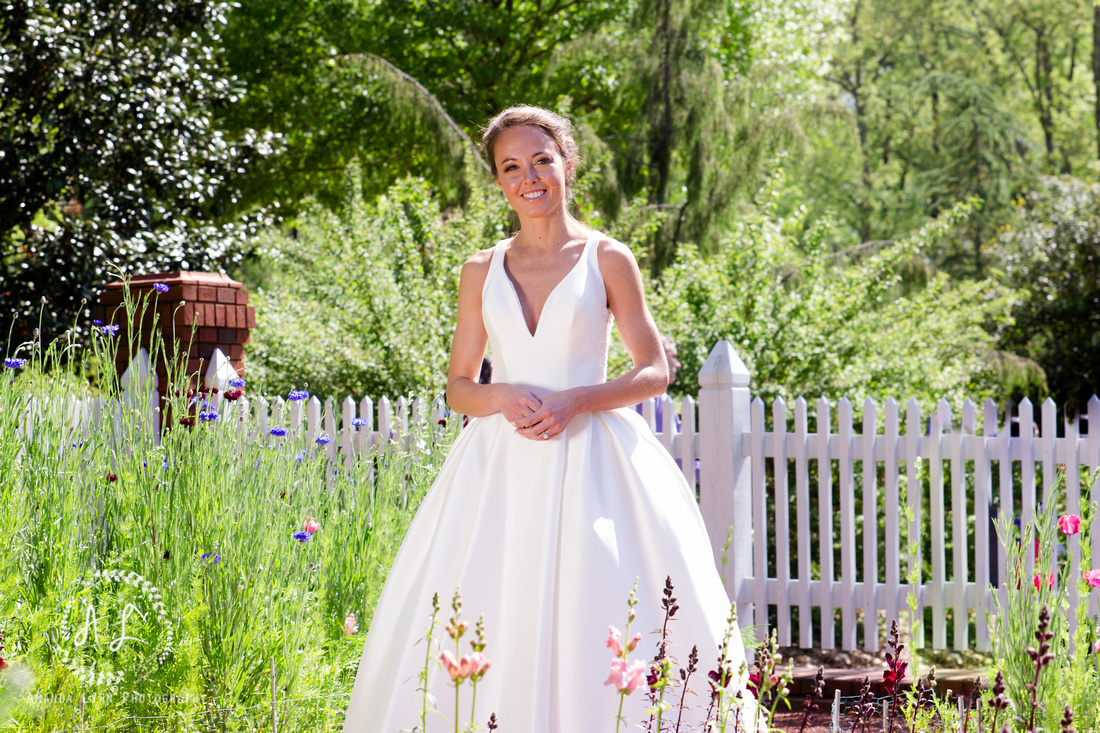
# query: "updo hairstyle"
{"type": "Point", "coordinates": [524, 115]}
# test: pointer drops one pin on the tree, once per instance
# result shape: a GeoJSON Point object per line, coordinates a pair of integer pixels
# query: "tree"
{"type": "Point", "coordinates": [1053, 255]}
{"type": "Point", "coordinates": [396, 87]}
{"type": "Point", "coordinates": [107, 150]}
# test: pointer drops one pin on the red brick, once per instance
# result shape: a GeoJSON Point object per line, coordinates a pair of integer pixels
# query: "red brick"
{"type": "Point", "coordinates": [185, 316]}
{"type": "Point", "coordinates": [111, 297]}
{"type": "Point", "coordinates": [190, 293]}
{"type": "Point", "coordinates": [236, 351]}
{"type": "Point", "coordinates": [244, 335]}
{"type": "Point", "coordinates": [227, 335]}
{"type": "Point", "coordinates": [208, 314]}
{"type": "Point", "coordinates": [207, 294]}
{"type": "Point", "coordinates": [219, 315]}
{"type": "Point", "coordinates": [230, 315]}
{"type": "Point", "coordinates": [250, 316]}
{"type": "Point", "coordinates": [227, 295]}
{"type": "Point", "coordinates": [207, 335]}
{"type": "Point", "coordinates": [242, 297]}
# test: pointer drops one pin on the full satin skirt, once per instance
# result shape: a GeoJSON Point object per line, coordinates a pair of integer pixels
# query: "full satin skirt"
{"type": "Point", "coordinates": [545, 540]}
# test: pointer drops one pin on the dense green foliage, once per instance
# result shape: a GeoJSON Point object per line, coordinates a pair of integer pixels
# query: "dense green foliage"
{"type": "Point", "coordinates": [808, 325]}
{"type": "Point", "coordinates": [1052, 253]}
{"type": "Point", "coordinates": [108, 154]}
{"type": "Point", "coordinates": [363, 302]}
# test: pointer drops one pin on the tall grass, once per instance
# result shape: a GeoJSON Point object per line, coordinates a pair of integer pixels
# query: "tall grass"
{"type": "Point", "coordinates": [162, 583]}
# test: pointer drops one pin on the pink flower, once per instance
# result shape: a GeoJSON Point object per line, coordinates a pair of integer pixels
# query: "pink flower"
{"type": "Point", "coordinates": [626, 676]}
{"type": "Point", "coordinates": [450, 664]}
{"type": "Point", "coordinates": [1070, 524]}
{"type": "Point", "coordinates": [472, 665]}
{"type": "Point", "coordinates": [633, 642]}
{"type": "Point", "coordinates": [614, 641]}
{"type": "Point", "coordinates": [1038, 582]}
{"type": "Point", "coordinates": [1092, 577]}
{"type": "Point", "coordinates": [350, 627]}
{"type": "Point", "coordinates": [311, 525]}
{"type": "Point", "coordinates": [1096, 646]}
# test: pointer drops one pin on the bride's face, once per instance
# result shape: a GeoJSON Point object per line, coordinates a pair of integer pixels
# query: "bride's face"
{"type": "Point", "coordinates": [531, 171]}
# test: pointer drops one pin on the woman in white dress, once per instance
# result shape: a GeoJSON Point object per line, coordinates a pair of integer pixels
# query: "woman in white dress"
{"type": "Point", "coordinates": [555, 498]}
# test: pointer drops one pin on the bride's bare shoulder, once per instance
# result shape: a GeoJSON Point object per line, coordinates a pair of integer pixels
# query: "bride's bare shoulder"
{"type": "Point", "coordinates": [476, 267]}
{"type": "Point", "coordinates": [615, 258]}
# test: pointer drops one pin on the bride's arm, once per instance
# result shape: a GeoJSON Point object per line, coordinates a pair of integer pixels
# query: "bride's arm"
{"type": "Point", "coordinates": [464, 394]}
{"type": "Point", "coordinates": [649, 375]}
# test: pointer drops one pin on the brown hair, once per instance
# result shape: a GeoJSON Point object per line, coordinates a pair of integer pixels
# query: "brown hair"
{"type": "Point", "coordinates": [524, 115]}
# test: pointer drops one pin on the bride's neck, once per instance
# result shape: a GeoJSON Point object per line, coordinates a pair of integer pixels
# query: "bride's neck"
{"type": "Point", "coordinates": [549, 231]}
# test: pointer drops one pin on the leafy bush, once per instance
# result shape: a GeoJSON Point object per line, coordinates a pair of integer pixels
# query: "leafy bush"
{"type": "Point", "coordinates": [1052, 254]}
{"type": "Point", "coordinates": [363, 302]}
{"type": "Point", "coordinates": [808, 325]}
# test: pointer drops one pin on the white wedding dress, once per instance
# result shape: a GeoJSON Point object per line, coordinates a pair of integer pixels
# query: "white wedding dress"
{"type": "Point", "coordinates": [545, 539]}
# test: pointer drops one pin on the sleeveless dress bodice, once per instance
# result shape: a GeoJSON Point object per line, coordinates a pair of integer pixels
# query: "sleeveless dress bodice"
{"type": "Point", "coordinates": [569, 346]}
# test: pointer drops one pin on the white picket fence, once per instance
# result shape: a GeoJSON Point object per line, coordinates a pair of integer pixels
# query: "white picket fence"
{"type": "Point", "coordinates": [755, 479]}
{"type": "Point", "coordinates": [758, 481]}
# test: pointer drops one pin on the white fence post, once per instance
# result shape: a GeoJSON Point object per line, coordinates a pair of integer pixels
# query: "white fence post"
{"type": "Point", "coordinates": [725, 471]}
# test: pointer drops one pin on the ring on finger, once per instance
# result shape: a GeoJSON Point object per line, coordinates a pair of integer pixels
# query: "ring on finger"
{"type": "Point", "coordinates": [545, 435]}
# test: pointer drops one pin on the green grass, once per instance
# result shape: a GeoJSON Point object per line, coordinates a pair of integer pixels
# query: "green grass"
{"type": "Point", "coordinates": [104, 594]}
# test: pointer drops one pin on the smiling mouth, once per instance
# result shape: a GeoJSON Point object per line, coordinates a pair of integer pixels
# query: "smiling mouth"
{"type": "Point", "coordinates": [533, 195]}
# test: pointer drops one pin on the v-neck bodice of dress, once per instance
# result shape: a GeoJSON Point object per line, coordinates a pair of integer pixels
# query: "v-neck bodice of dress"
{"type": "Point", "coordinates": [569, 345]}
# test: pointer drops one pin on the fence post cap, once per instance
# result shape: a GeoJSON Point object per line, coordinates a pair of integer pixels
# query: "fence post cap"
{"type": "Point", "coordinates": [724, 368]}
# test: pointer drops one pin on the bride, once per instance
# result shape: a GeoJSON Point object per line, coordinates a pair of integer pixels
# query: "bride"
{"type": "Point", "coordinates": [555, 499]}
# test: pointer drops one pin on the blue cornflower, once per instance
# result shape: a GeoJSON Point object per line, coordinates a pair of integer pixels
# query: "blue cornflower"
{"type": "Point", "coordinates": [278, 432]}
{"type": "Point", "coordinates": [237, 382]}
{"type": "Point", "coordinates": [298, 394]}
{"type": "Point", "coordinates": [209, 414]}
{"type": "Point", "coordinates": [110, 330]}
{"type": "Point", "coordinates": [97, 322]}
{"type": "Point", "coordinates": [15, 363]}
{"type": "Point", "coordinates": [323, 439]}
{"type": "Point", "coordinates": [160, 287]}
{"type": "Point", "coordinates": [301, 456]}
{"type": "Point", "coordinates": [217, 559]}
{"type": "Point", "coordinates": [302, 536]}
{"type": "Point", "coordinates": [204, 557]}
{"type": "Point", "coordinates": [359, 422]}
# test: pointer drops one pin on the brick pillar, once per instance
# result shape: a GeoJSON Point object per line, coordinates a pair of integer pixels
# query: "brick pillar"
{"type": "Point", "coordinates": [215, 306]}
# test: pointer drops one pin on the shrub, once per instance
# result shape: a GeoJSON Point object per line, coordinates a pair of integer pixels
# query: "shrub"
{"type": "Point", "coordinates": [363, 302]}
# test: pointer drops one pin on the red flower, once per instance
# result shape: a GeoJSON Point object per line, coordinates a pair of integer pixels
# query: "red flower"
{"type": "Point", "coordinates": [754, 684]}
{"type": "Point", "coordinates": [111, 478]}
{"type": "Point", "coordinates": [1070, 524]}
{"type": "Point", "coordinates": [233, 394]}
{"type": "Point", "coordinates": [1038, 582]}
{"type": "Point", "coordinates": [187, 421]}
{"type": "Point", "coordinates": [891, 678]}
{"type": "Point", "coordinates": [3, 664]}
{"type": "Point", "coordinates": [720, 679]}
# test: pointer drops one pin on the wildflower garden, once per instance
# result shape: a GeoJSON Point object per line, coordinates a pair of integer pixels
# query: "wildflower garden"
{"type": "Point", "coordinates": [219, 576]}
